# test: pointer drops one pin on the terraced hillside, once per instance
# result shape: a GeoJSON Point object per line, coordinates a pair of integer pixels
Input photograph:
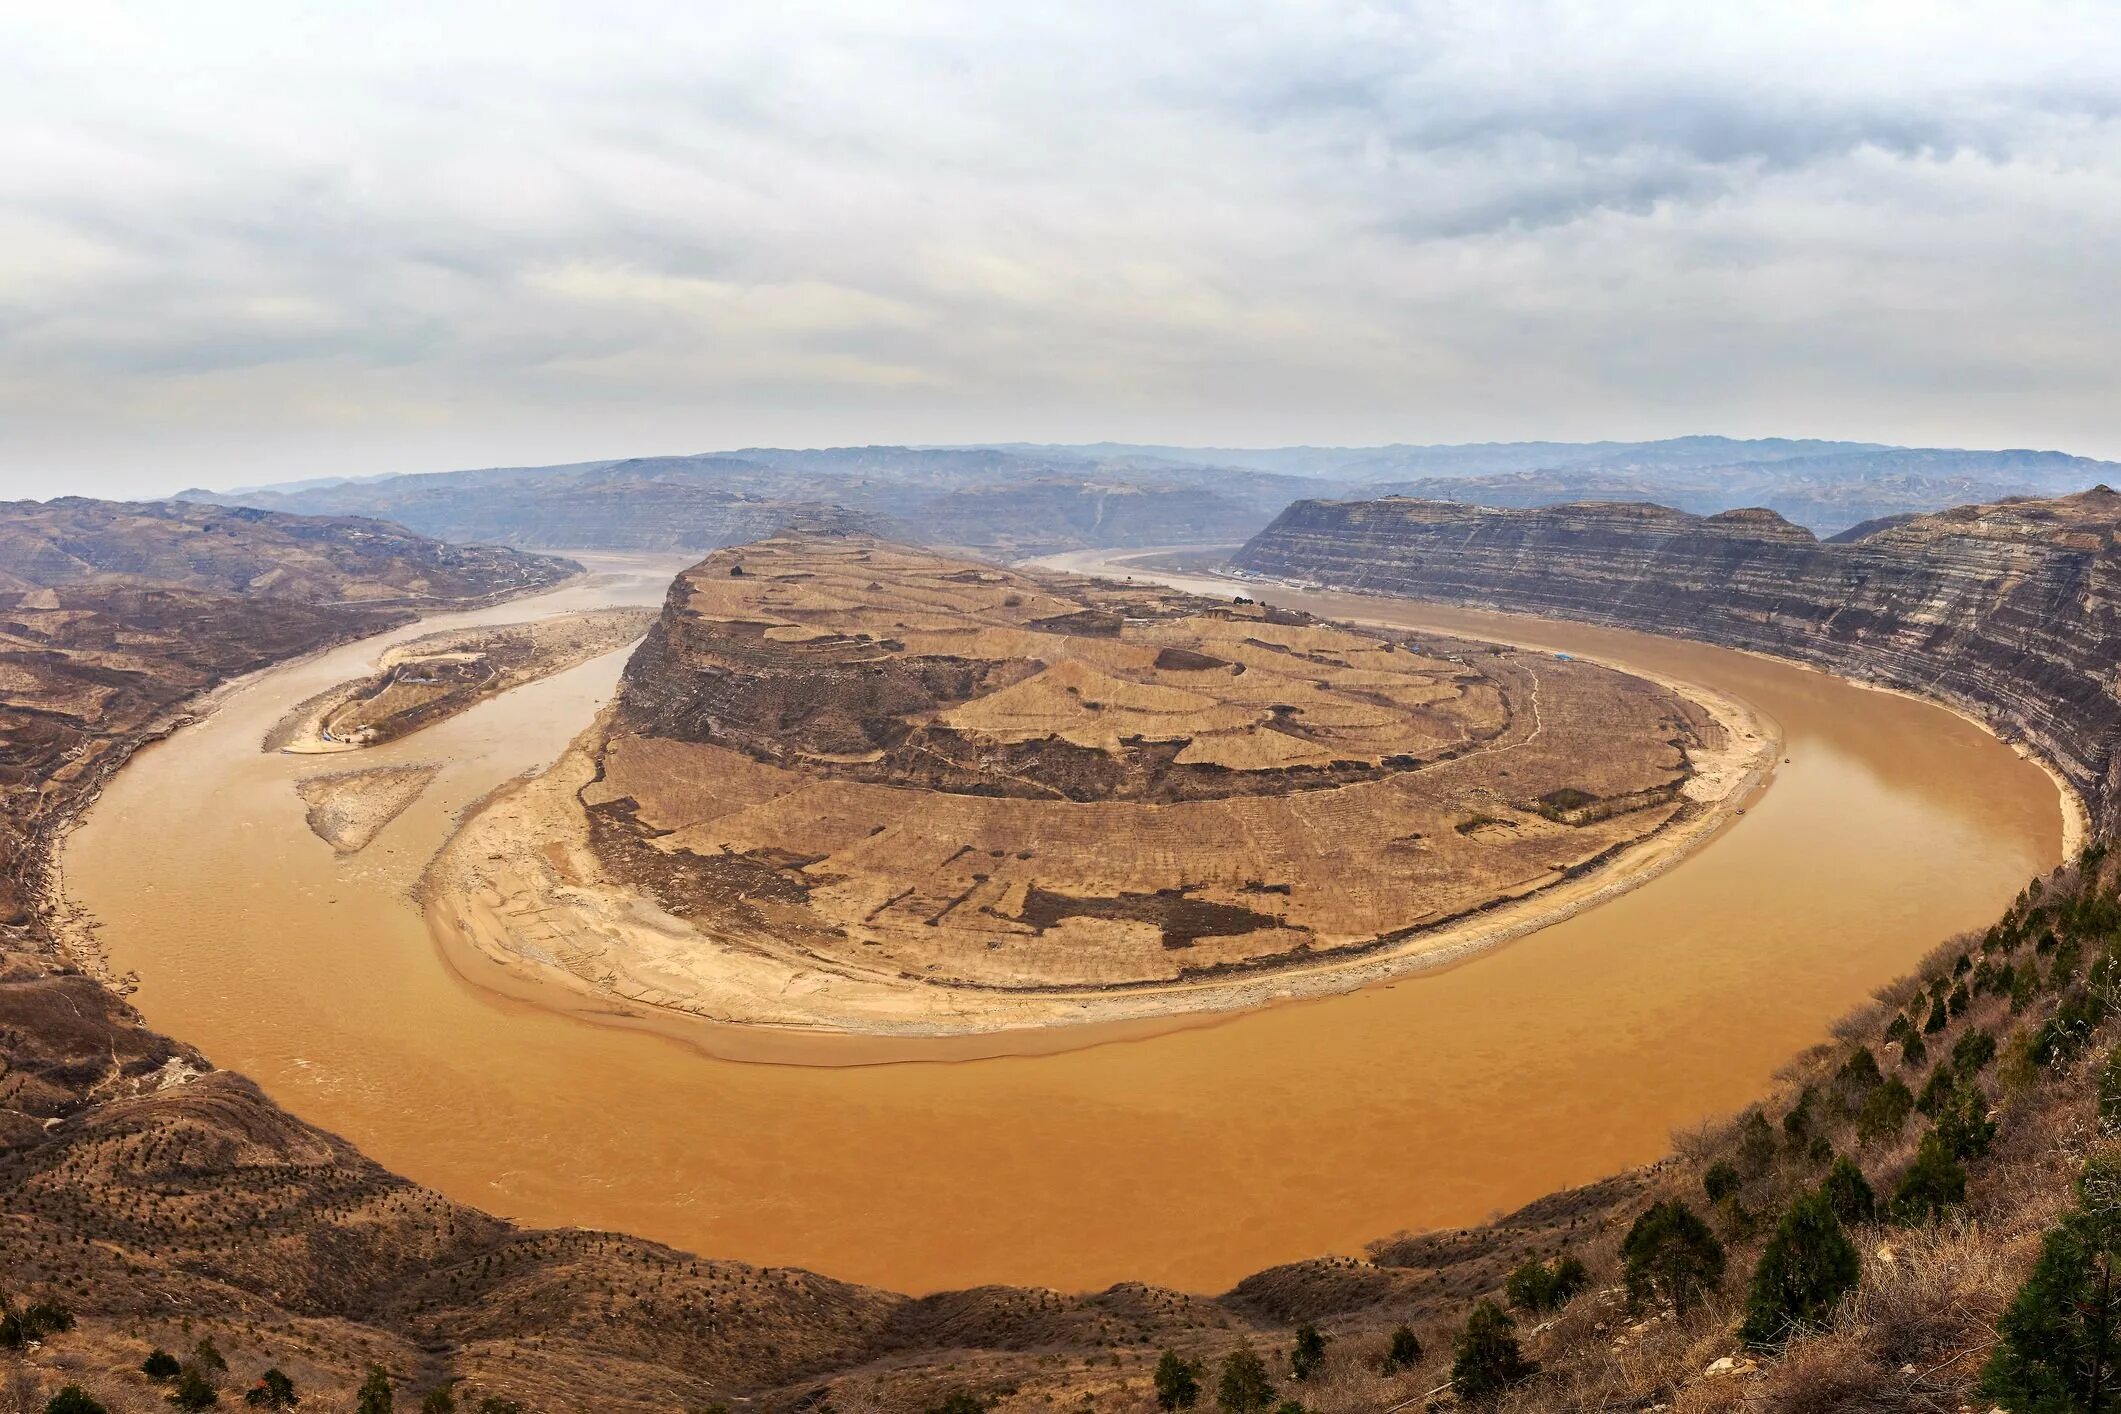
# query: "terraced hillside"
{"type": "Point", "coordinates": [898, 775]}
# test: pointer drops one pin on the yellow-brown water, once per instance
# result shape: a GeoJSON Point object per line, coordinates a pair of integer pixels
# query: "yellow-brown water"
{"type": "Point", "coordinates": [1187, 1158]}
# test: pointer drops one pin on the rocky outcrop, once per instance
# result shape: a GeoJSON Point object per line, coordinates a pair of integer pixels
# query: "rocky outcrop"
{"type": "Point", "coordinates": [2008, 611]}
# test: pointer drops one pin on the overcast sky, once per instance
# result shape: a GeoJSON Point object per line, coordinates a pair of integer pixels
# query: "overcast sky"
{"type": "Point", "coordinates": [256, 241]}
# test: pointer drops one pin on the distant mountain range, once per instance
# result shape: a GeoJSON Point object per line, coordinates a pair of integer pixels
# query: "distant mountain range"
{"type": "Point", "coordinates": [1021, 499]}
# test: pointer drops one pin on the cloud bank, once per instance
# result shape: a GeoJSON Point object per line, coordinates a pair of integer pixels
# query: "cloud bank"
{"type": "Point", "coordinates": [242, 241]}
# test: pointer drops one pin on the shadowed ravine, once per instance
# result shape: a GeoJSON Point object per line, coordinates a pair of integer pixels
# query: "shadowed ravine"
{"type": "Point", "coordinates": [1186, 1158]}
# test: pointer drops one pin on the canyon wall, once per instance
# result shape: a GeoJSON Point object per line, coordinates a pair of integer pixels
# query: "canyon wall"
{"type": "Point", "coordinates": [2007, 611]}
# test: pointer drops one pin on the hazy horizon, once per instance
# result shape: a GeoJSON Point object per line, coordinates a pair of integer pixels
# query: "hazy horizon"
{"type": "Point", "coordinates": [245, 244]}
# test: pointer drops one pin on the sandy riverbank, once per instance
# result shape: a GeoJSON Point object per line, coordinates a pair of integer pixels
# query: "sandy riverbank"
{"type": "Point", "coordinates": [520, 886]}
{"type": "Point", "coordinates": [380, 706]}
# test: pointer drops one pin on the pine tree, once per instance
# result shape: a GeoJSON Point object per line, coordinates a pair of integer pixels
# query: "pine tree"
{"type": "Point", "coordinates": [1934, 1183]}
{"type": "Point", "coordinates": [375, 1396]}
{"type": "Point", "coordinates": [1487, 1360]}
{"type": "Point", "coordinates": [1722, 1180]}
{"type": "Point", "coordinates": [1809, 1265]}
{"type": "Point", "coordinates": [193, 1390]}
{"type": "Point", "coordinates": [1403, 1352]}
{"type": "Point", "coordinates": [1309, 1356]}
{"type": "Point", "coordinates": [1756, 1143]}
{"type": "Point", "coordinates": [1177, 1381]}
{"type": "Point", "coordinates": [1849, 1193]}
{"type": "Point", "coordinates": [1540, 1285]}
{"type": "Point", "coordinates": [1670, 1253]}
{"type": "Point", "coordinates": [2057, 1345]}
{"type": "Point", "coordinates": [1244, 1387]}
{"type": "Point", "coordinates": [1885, 1112]}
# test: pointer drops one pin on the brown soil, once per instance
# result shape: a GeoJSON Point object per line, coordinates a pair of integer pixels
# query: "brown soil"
{"type": "Point", "coordinates": [347, 809]}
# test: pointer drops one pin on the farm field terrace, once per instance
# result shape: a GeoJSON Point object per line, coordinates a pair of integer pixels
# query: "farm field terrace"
{"type": "Point", "coordinates": [850, 785]}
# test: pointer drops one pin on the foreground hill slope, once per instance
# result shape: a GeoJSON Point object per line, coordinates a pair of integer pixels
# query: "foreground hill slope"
{"type": "Point", "coordinates": [2007, 610]}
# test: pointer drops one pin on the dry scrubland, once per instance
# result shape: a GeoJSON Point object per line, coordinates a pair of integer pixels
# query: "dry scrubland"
{"type": "Point", "coordinates": [859, 786]}
{"type": "Point", "coordinates": [171, 1206]}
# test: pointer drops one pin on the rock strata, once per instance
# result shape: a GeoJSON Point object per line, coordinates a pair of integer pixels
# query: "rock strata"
{"type": "Point", "coordinates": [2006, 611]}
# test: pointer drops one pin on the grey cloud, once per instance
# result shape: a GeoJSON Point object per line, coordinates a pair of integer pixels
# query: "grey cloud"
{"type": "Point", "coordinates": [416, 237]}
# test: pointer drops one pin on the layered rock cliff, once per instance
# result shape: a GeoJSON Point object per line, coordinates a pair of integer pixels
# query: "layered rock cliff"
{"type": "Point", "coordinates": [2008, 611]}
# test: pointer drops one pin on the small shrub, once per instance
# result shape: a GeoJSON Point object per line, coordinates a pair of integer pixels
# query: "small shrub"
{"type": "Point", "coordinates": [1756, 1143]}
{"type": "Point", "coordinates": [375, 1396]}
{"type": "Point", "coordinates": [1244, 1387]}
{"type": "Point", "coordinates": [1721, 1181]}
{"type": "Point", "coordinates": [1539, 1285]}
{"type": "Point", "coordinates": [1308, 1356]}
{"type": "Point", "coordinates": [272, 1391]}
{"type": "Point", "coordinates": [1849, 1193]}
{"type": "Point", "coordinates": [1670, 1254]}
{"type": "Point", "coordinates": [1809, 1265]}
{"type": "Point", "coordinates": [1403, 1351]}
{"type": "Point", "coordinates": [1885, 1112]}
{"type": "Point", "coordinates": [1933, 1185]}
{"type": "Point", "coordinates": [1486, 1359]}
{"type": "Point", "coordinates": [193, 1390]}
{"type": "Point", "coordinates": [1177, 1381]}
{"type": "Point", "coordinates": [160, 1365]}
{"type": "Point", "coordinates": [73, 1400]}
{"type": "Point", "coordinates": [2110, 1094]}
{"type": "Point", "coordinates": [958, 1402]}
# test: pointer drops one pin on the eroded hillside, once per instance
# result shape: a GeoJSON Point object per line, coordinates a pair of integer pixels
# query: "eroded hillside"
{"type": "Point", "coordinates": [2006, 610]}
{"type": "Point", "coordinates": [235, 550]}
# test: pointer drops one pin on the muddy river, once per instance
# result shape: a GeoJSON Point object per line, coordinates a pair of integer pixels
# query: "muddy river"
{"type": "Point", "coordinates": [1188, 1157]}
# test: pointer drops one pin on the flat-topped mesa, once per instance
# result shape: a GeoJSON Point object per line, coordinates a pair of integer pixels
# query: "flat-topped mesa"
{"type": "Point", "coordinates": [849, 774]}
{"type": "Point", "coordinates": [857, 660]}
{"type": "Point", "coordinates": [2005, 610]}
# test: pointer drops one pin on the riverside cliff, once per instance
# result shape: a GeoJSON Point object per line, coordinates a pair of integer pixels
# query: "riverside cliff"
{"type": "Point", "coordinates": [2007, 611]}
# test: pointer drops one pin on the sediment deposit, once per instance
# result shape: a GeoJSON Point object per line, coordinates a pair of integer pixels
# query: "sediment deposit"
{"type": "Point", "coordinates": [434, 677]}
